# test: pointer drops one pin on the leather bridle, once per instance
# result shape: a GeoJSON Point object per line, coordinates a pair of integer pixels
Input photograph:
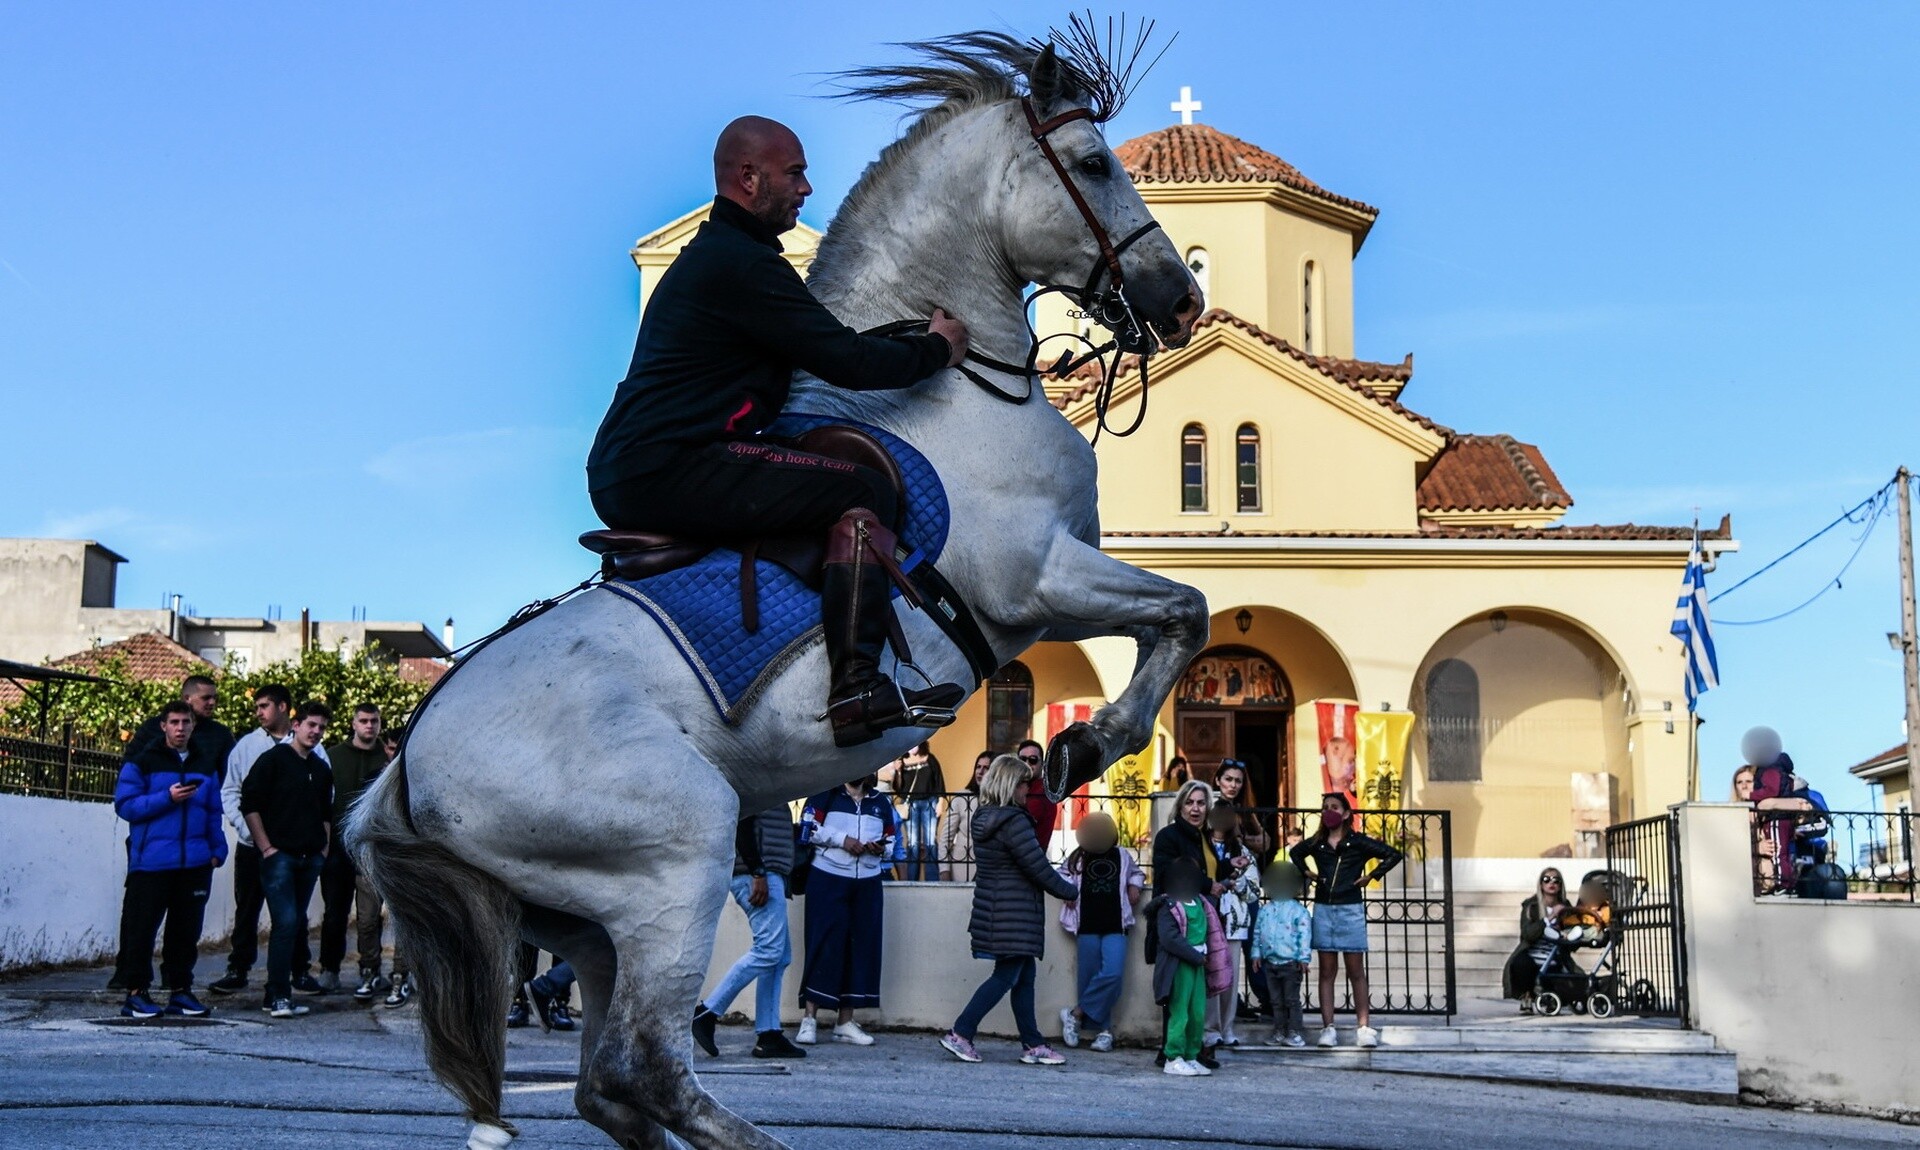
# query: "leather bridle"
{"type": "Point", "coordinates": [1104, 303]}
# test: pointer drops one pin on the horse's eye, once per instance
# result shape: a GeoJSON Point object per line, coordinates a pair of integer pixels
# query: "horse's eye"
{"type": "Point", "coordinates": [1095, 165]}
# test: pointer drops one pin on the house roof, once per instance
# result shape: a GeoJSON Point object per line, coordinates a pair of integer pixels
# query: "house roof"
{"type": "Point", "coordinates": [1891, 761]}
{"type": "Point", "coordinates": [1490, 473]}
{"type": "Point", "coordinates": [1353, 373]}
{"type": "Point", "coordinates": [1593, 533]}
{"type": "Point", "coordinates": [1200, 154]}
{"type": "Point", "coordinates": [150, 657]}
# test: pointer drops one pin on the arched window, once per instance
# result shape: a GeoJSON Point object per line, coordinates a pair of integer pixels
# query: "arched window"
{"type": "Point", "coordinates": [1201, 265]}
{"type": "Point", "coordinates": [1246, 468]}
{"type": "Point", "coordinates": [1009, 707]}
{"type": "Point", "coordinates": [1193, 468]}
{"type": "Point", "coordinates": [1453, 723]}
{"type": "Point", "coordinates": [1307, 317]}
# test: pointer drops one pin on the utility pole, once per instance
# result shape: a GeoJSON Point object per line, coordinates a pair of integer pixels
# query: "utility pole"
{"type": "Point", "coordinates": [1909, 633]}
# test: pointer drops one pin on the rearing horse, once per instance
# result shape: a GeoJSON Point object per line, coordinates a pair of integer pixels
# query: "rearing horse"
{"type": "Point", "coordinates": [571, 783]}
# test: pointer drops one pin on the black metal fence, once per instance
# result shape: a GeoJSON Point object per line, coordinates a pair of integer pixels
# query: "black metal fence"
{"type": "Point", "coordinates": [1647, 971]}
{"type": "Point", "coordinates": [1817, 854]}
{"type": "Point", "coordinates": [1410, 960]}
{"type": "Point", "coordinates": [73, 768]}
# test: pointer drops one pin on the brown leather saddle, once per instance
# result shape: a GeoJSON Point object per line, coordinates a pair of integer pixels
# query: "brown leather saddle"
{"type": "Point", "coordinates": [640, 554]}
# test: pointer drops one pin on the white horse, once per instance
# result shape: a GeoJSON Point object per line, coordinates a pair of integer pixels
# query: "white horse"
{"type": "Point", "coordinates": [572, 784]}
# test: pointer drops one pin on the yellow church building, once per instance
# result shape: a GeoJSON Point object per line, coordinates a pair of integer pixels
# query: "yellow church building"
{"type": "Point", "coordinates": [1351, 549]}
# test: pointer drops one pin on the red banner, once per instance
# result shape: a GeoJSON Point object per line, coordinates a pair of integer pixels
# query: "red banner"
{"type": "Point", "coordinates": [1338, 746]}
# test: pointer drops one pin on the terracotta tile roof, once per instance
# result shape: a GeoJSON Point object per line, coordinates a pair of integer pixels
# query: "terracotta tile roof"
{"type": "Point", "coordinates": [1199, 154]}
{"type": "Point", "coordinates": [1882, 763]}
{"type": "Point", "coordinates": [415, 669]}
{"type": "Point", "coordinates": [150, 657]}
{"type": "Point", "coordinates": [1354, 373]}
{"type": "Point", "coordinates": [1631, 532]}
{"type": "Point", "coordinates": [1490, 473]}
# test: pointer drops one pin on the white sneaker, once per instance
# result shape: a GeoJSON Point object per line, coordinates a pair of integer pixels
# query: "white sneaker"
{"type": "Point", "coordinates": [1103, 1042]}
{"type": "Point", "coordinates": [1209, 1038]}
{"type": "Point", "coordinates": [1366, 1036]}
{"type": "Point", "coordinates": [1069, 1027]}
{"type": "Point", "coordinates": [1328, 1037]}
{"type": "Point", "coordinates": [1294, 1040]}
{"type": "Point", "coordinates": [1181, 1068]}
{"type": "Point", "coordinates": [1198, 1068]}
{"type": "Point", "coordinates": [851, 1032]}
{"type": "Point", "coordinates": [809, 1032]}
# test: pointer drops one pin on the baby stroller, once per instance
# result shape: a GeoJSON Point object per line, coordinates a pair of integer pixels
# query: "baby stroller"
{"type": "Point", "coordinates": [1563, 983]}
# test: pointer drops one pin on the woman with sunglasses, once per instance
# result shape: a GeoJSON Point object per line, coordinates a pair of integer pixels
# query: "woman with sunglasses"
{"type": "Point", "coordinates": [1537, 935]}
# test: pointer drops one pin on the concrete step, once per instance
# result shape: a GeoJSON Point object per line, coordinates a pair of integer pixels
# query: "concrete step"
{"type": "Point", "coordinates": [1622, 1055]}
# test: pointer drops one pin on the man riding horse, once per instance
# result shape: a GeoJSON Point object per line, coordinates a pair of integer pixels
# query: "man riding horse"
{"type": "Point", "coordinates": [679, 451]}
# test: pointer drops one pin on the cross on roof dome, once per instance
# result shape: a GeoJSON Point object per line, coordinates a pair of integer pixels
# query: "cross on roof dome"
{"type": "Point", "coordinates": [1186, 105]}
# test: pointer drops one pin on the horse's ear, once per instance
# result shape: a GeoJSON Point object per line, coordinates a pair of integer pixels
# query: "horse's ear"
{"type": "Point", "coordinates": [1050, 82]}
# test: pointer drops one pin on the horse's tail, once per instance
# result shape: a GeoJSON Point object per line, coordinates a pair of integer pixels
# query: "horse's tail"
{"type": "Point", "coordinates": [457, 926]}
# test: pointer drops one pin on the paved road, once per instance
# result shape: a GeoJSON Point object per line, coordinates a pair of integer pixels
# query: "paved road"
{"type": "Point", "coordinates": [349, 1076]}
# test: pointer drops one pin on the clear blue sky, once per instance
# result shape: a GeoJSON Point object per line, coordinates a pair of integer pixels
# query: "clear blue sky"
{"type": "Point", "coordinates": [318, 305]}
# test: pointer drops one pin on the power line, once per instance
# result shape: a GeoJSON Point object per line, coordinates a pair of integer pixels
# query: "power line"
{"type": "Point", "coordinates": [1877, 501]}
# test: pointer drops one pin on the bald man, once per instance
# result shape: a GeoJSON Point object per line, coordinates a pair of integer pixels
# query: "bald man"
{"type": "Point", "coordinates": [680, 451]}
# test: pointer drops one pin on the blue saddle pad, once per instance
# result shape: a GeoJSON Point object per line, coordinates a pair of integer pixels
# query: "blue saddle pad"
{"type": "Point", "coordinates": [698, 606]}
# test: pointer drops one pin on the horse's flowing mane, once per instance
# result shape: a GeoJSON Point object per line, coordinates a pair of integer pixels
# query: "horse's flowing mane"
{"type": "Point", "coordinates": [967, 70]}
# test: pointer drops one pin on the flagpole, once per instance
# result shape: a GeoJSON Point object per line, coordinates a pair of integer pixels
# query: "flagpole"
{"type": "Point", "coordinates": [1693, 722]}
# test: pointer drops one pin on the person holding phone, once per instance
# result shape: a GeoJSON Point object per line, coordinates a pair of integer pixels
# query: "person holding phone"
{"type": "Point", "coordinates": [169, 794]}
{"type": "Point", "coordinates": [853, 829]}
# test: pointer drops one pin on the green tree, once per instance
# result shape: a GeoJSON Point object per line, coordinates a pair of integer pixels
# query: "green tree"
{"type": "Point", "coordinates": [111, 711]}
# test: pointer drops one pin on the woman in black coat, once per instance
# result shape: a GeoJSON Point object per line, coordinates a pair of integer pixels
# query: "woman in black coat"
{"type": "Point", "coordinates": [1185, 836]}
{"type": "Point", "coordinates": [1008, 925]}
{"type": "Point", "coordinates": [1538, 914]}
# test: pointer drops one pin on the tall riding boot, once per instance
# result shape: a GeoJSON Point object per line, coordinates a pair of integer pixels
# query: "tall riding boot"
{"type": "Point", "coordinates": [857, 611]}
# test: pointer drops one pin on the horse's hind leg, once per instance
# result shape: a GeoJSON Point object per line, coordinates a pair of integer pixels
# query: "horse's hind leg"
{"type": "Point", "coordinates": [642, 1057]}
{"type": "Point", "coordinates": [587, 949]}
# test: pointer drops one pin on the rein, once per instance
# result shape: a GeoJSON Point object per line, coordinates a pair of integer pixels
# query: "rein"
{"type": "Point", "coordinates": [1105, 304]}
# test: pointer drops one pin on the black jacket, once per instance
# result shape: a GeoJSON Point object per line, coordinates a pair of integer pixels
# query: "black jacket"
{"type": "Point", "coordinates": [211, 739]}
{"type": "Point", "coordinates": [293, 797]}
{"type": "Point", "coordinates": [1338, 870]}
{"type": "Point", "coordinates": [1179, 839]}
{"type": "Point", "coordinates": [718, 346]}
{"type": "Point", "coordinates": [1009, 914]}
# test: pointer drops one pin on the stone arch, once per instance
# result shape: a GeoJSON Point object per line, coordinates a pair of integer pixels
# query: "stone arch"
{"type": "Point", "coordinates": [1552, 735]}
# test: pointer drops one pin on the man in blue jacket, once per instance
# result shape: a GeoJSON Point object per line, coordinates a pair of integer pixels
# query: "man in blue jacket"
{"type": "Point", "coordinates": [170, 796]}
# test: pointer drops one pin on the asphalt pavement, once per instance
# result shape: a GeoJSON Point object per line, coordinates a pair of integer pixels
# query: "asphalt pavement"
{"type": "Point", "coordinates": [72, 1074]}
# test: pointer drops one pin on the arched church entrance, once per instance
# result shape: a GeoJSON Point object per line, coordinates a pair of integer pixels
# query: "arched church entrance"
{"type": "Point", "coordinates": [1234, 702]}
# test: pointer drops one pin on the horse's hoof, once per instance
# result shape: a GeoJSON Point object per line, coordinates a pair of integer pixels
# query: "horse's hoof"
{"type": "Point", "coordinates": [486, 1136]}
{"type": "Point", "coordinates": [1073, 758]}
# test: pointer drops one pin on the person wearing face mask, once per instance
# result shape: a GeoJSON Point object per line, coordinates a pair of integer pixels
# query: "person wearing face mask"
{"type": "Point", "coordinates": [1343, 861]}
{"type": "Point", "coordinates": [1538, 914]}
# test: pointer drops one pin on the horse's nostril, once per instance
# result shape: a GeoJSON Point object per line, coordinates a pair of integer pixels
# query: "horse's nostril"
{"type": "Point", "coordinates": [1188, 305]}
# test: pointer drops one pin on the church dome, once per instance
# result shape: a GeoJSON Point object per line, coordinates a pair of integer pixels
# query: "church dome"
{"type": "Point", "coordinates": [1199, 154]}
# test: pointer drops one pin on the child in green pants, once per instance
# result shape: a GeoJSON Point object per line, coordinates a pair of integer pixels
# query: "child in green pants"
{"type": "Point", "coordinates": [1180, 975]}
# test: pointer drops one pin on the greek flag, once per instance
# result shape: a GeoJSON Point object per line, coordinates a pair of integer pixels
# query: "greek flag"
{"type": "Point", "coordinates": [1694, 629]}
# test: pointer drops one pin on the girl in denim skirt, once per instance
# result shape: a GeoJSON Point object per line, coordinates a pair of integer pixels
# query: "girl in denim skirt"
{"type": "Point", "coordinates": [1343, 861]}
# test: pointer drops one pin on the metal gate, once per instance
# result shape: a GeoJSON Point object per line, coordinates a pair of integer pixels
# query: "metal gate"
{"type": "Point", "coordinates": [1650, 956]}
{"type": "Point", "coordinates": [1410, 958]}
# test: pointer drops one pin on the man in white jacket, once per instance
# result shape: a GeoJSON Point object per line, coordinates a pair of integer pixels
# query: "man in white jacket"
{"type": "Point", "coordinates": [272, 708]}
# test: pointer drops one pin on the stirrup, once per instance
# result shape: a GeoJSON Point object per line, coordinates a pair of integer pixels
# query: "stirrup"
{"type": "Point", "coordinates": [885, 706]}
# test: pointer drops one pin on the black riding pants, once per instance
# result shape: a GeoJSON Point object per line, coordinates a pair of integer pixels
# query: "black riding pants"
{"type": "Point", "coordinates": [743, 488]}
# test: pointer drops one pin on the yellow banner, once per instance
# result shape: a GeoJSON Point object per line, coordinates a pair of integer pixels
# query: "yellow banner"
{"type": "Point", "coordinates": [1382, 736]}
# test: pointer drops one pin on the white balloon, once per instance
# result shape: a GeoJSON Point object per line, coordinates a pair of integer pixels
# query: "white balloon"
{"type": "Point", "coordinates": [1760, 747]}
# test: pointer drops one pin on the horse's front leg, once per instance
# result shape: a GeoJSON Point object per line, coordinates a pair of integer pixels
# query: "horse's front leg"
{"type": "Point", "coordinates": [1082, 593]}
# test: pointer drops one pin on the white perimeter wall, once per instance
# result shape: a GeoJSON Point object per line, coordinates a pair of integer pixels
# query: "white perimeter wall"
{"type": "Point", "coordinates": [63, 866]}
{"type": "Point", "coordinates": [1816, 998]}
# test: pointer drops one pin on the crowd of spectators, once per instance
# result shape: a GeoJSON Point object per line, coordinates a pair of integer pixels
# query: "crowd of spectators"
{"type": "Point", "coordinates": [1225, 910]}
